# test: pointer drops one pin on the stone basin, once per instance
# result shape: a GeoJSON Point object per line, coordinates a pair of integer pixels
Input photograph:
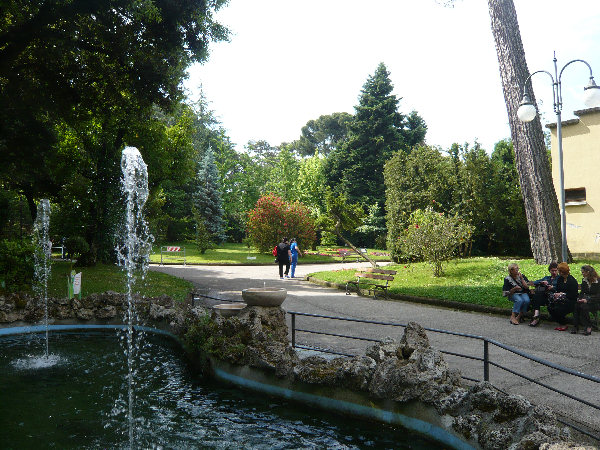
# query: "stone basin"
{"type": "Point", "coordinates": [267, 296]}
{"type": "Point", "coordinates": [229, 309]}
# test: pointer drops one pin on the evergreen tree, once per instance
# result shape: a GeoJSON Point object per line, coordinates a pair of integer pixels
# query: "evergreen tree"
{"type": "Point", "coordinates": [378, 130]}
{"type": "Point", "coordinates": [207, 199]}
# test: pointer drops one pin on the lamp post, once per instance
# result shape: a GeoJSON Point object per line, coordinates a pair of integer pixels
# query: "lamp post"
{"type": "Point", "coordinates": [527, 112]}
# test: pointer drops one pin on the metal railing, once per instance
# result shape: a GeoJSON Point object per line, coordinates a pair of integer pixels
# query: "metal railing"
{"type": "Point", "coordinates": [486, 359]}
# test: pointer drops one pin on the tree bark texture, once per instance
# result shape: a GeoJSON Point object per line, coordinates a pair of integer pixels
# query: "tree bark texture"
{"type": "Point", "coordinates": [535, 176]}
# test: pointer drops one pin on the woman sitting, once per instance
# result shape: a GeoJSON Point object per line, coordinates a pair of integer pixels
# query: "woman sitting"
{"type": "Point", "coordinates": [544, 288]}
{"type": "Point", "coordinates": [588, 300]}
{"type": "Point", "coordinates": [563, 301]}
{"type": "Point", "coordinates": [516, 288]}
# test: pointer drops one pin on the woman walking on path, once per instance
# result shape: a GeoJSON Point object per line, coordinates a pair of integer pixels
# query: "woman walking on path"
{"type": "Point", "coordinates": [516, 288]}
{"type": "Point", "coordinates": [284, 256]}
{"type": "Point", "coordinates": [295, 251]}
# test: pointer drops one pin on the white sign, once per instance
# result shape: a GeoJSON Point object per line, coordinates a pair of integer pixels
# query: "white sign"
{"type": "Point", "coordinates": [77, 284]}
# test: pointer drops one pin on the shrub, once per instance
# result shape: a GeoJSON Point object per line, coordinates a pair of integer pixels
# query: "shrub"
{"type": "Point", "coordinates": [272, 218]}
{"type": "Point", "coordinates": [76, 246]}
{"type": "Point", "coordinates": [203, 237]}
{"type": "Point", "coordinates": [434, 237]}
{"type": "Point", "coordinates": [16, 264]}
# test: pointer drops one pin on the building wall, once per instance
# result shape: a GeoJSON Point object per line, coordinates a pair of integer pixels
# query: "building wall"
{"type": "Point", "coordinates": [581, 164]}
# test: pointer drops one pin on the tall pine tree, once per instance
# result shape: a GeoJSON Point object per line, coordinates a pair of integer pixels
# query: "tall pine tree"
{"type": "Point", "coordinates": [207, 199]}
{"type": "Point", "coordinates": [378, 130]}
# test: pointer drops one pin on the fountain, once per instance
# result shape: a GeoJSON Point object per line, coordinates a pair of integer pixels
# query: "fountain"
{"type": "Point", "coordinates": [42, 254]}
{"type": "Point", "coordinates": [133, 254]}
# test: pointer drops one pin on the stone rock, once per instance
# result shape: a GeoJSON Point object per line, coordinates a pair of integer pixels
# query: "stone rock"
{"type": "Point", "coordinates": [387, 348]}
{"type": "Point", "coordinates": [566, 446]}
{"type": "Point", "coordinates": [318, 370]}
{"type": "Point", "coordinates": [85, 314]}
{"type": "Point", "coordinates": [356, 373]}
{"type": "Point", "coordinates": [414, 338]}
{"type": "Point", "coordinates": [495, 439]}
{"type": "Point", "coordinates": [106, 312]}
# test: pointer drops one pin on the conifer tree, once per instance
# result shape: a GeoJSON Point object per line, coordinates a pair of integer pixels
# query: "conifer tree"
{"type": "Point", "coordinates": [207, 198]}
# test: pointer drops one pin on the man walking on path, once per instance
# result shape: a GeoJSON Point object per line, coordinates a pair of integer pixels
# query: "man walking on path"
{"type": "Point", "coordinates": [284, 256]}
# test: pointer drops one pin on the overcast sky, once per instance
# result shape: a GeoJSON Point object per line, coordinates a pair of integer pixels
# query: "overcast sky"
{"type": "Point", "coordinates": [291, 61]}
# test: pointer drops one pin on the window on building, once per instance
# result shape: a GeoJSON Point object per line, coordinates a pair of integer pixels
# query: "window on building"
{"type": "Point", "coordinates": [575, 196]}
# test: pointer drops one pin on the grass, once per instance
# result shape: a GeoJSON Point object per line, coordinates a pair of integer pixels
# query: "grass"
{"type": "Point", "coordinates": [233, 253]}
{"type": "Point", "coordinates": [472, 280]}
{"type": "Point", "coordinates": [105, 277]}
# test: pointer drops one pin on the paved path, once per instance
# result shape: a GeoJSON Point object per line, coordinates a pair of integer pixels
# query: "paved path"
{"type": "Point", "coordinates": [577, 352]}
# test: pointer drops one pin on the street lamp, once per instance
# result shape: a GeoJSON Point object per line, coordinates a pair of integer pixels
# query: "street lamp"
{"type": "Point", "coordinates": [527, 112]}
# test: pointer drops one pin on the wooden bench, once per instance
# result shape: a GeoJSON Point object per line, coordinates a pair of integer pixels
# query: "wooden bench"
{"type": "Point", "coordinates": [351, 254]}
{"type": "Point", "coordinates": [373, 280]}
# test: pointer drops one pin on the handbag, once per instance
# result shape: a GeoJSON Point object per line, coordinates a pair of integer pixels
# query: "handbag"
{"type": "Point", "coordinates": [560, 298]}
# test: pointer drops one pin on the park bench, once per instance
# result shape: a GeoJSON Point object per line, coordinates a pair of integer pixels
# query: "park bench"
{"type": "Point", "coordinates": [349, 254]}
{"type": "Point", "coordinates": [375, 280]}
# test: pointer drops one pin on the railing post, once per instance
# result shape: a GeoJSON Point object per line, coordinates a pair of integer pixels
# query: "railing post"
{"type": "Point", "coordinates": [486, 361]}
{"type": "Point", "coordinates": [293, 330]}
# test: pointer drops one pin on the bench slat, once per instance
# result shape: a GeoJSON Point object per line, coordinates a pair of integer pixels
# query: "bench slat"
{"type": "Point", "coordinates": [375, 276]}
{"type": "Point", "coordinates": [382, 271]}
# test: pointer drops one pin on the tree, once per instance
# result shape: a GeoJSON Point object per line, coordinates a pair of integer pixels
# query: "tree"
{"type": "Point", "coordinates": [207, 199]}
{"type": "Point", "coordinates": [97, 68]}
{"type": "Point", "coordinates": [356, 169]}
{"type": "Point", "coordinates": [535, 177]}
{"type": "Point", "coordinates": [413, 181]}
{"type": "Point", "coordinates": [323, 134]}
{"type": "Point", "coordinates": [434, 237]}
{"type": "Point", "coordinates": [341, 217]}
{"type": "Point", "coordinates": [272, 219]}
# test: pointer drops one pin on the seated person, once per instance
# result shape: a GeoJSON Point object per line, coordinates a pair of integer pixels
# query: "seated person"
{"type": "Point", "coordinates": [562, 302]}
{"type": "Point", "coordinates": [516, 288]}
{"type": "Point", "coordinates": [544, 287]}
{"type": "Point", "coordinates": [588, 300]}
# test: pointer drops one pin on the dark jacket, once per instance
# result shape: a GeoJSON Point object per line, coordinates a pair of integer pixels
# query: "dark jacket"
{"type": "Point", "coordinates": [592, 292]}
{"type": "Point", "coordinates": [282, 252]}
{"type": "Point", "coordinates": [569, 287]}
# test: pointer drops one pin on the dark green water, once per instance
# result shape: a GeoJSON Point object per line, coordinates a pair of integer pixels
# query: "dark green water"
{"type": "Point", "coordinates": [81, 402]}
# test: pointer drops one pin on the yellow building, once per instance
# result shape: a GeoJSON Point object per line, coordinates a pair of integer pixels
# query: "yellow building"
{"type": "Point", "coordinates": [581, 167]}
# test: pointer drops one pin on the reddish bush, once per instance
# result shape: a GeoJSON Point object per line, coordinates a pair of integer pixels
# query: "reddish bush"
{"type": "Point", "coordinates": [272, 219]}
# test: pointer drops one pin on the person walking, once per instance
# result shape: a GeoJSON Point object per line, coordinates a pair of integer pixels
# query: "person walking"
{"type": "Point", "coordinates": [284, 257]}
{"type": "Point", "coordinates": [295, 252]}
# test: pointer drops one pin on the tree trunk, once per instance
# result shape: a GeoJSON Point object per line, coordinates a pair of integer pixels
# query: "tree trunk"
{"type": "Point", "coordinates": [535, 176]}
{"type": "Point", "coordinates": [349, 244]}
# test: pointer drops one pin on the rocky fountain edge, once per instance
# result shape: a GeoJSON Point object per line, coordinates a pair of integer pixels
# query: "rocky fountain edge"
{"type": "Point", "coordinates": [403, 381]}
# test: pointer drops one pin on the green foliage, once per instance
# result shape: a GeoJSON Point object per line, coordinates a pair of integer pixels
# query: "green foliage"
{"type": "Point", "coordinates": [373, 229]}
{"type": "Point", "coordinates": [434, 238]}
{"type": "Point", "coordinates": [323, 135]}
{"type": "Point", "coordinates": [16, 264]}
{"type": "Point", "coordinates": [272, 219]}
{"type": "Point", "coordinates": [76, 246]}
{"type": "Point", "coordinates": [203, 237]}
{"type": "Point", "coordinates": [208, 203]}
{"type": "Point", "coordinates": [328, 239]}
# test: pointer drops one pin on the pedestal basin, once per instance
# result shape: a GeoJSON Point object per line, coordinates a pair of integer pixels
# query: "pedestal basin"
{"type": "Point", "coordinates": [267, 296]}
{"type": "Point", "coordinates": [229, 309]}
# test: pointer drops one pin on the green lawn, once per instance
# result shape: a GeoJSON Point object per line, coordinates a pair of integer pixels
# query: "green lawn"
{"type": "Point", "coordinates": [233, 253]}
{"type": "Point", "coordinates": [473, 280]}
{"type": "Point", "coordinates": [105, 277]}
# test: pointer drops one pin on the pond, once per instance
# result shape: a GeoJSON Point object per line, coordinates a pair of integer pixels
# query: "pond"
{"type": "Point", "coordinates": [79, 400]}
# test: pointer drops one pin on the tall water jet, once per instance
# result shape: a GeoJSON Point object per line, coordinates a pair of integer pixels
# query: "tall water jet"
{"type": "Point", "coordinates": [42, 254]}
{"type": "Point", "coordinates": [133, 252]}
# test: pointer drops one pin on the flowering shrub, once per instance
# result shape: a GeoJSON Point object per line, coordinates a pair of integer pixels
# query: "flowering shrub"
{"type": "Point", "coordinates": [272, 219]}
{"type": "Point", "coordinates": [434, 237]}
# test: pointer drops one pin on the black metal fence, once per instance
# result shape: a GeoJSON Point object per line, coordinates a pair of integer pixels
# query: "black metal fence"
{"type": "Point", "coordinates": [485, 359]}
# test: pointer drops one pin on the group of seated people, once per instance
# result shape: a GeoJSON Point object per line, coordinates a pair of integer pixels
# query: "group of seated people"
{"type": "Point", "coordinates": [559, 291]}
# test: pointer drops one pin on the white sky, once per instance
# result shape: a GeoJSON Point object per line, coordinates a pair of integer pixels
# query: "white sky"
{"type": "Point", "coordinates": [291, 61]}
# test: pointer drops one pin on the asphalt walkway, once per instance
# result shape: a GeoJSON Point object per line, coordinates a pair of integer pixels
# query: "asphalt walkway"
{"type": "Point", "coordinates": [577, 352]}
